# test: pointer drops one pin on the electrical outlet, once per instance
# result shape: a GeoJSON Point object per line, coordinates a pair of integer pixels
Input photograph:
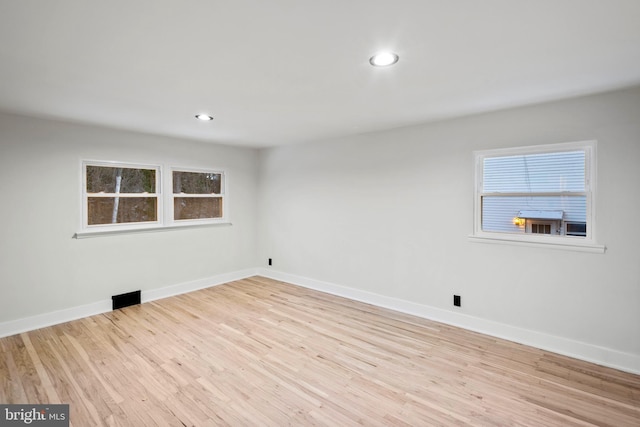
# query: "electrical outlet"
{"type": "Point", "coordinates": [456, 300]}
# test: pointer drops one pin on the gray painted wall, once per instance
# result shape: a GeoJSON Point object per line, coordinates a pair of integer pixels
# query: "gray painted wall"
{"type": "Point", "coordinates": [43, 269]}
{"type": "Point", "coordinates": [389, 213]}
{"type": "Point", "coordinates": [386, 214]}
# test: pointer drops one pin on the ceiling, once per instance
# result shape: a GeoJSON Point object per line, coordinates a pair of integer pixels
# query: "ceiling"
{"type": "Point", "coordinates": [287, 71]}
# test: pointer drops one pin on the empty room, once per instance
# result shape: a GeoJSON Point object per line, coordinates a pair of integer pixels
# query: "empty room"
{"type": "Point", "coordinates": [332, 213]}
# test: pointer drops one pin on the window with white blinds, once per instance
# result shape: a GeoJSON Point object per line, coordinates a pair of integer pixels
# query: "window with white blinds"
{"type": "Point", "coordinates": [533, 193]}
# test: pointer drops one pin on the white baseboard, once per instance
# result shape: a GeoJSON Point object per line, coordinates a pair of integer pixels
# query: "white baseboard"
{"type": "Point", "coordinates": [196, 285]}
{"type": "Point", "coordinates": [579, 350]}
{"type": "Point", "coordinates": [18, 326]}
{"type": "Point", "coordinates": [588, 352]}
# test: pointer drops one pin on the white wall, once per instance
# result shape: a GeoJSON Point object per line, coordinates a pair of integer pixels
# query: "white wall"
{"type": "Point", "coordinates": [382, 217]}
{"type": "Point", "coordinates": [388, 214]}
{"type": "Point", "coordinates": [43, 269]}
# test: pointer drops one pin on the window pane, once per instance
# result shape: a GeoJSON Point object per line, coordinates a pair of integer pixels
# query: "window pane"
{"type": "Point", "coordinates": [534, 173]}
{"type": "Point", "coordinates": [541, 228]}
{"type": "Point", "coordinates": [118, 210]}
{"type": "Point", "coordinates": [576, 229]}
{"type": "Point", "coordinates": [106, 179]}
{"type": "Point", "coordinates": [196, 183]}
{"type": "Point", "coordinates": [197, 207]}
{"type": "Point", "coordinates": [498, 212]}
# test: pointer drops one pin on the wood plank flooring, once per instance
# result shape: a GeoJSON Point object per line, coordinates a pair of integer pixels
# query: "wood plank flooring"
{"type": "Point", "coordinates": [260, 352]}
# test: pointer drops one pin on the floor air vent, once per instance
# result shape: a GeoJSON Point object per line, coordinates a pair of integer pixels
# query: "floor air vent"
{"type": "Point", "coordinates": [125, 300]}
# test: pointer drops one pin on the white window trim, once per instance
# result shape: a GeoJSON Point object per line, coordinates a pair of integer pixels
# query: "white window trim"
{"type": "Point", "coordinates": [99, 233]}
{"type": "Point", "coordinates": [169, 211]}
{"type": "Point", "coordinates": [123, 226]}
{"type": "Point", "coordinates": [165, 220]}
{"type": "Point", "coordinates": [575, 243]}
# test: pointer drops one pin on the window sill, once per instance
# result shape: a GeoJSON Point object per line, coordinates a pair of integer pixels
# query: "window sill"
{"type": "Point", "coordinates": [562, 245]}
{"type": "Point", "coordinates": [86, 234]}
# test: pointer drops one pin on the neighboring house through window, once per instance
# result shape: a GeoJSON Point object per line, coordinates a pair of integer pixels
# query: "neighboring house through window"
{"type": "Point", "coordinates": [537, 194]}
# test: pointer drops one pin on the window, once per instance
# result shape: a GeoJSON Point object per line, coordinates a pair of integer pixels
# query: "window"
{"type": "Point", "coordinates": [197, 195]}
{"type": "Point", "coordinates": [121, 194]}
{"type": "Point", "coordinates": [540, 228]}
{"type": "Point", "coordinates": [542, 194]}
{"type": "Point", "coordinates": [576, 229]}
{"type": "Point", "coordinates": [119, 197]}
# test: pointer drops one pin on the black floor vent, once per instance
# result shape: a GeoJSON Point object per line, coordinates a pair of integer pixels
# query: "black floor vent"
{"type": "Point", "coordinates": [125, 300]}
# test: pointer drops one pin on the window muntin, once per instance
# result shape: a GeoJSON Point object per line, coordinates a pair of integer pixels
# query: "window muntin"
{"type": "Point", "coordinates": [116, 194]}
{"type": "Point", "coordinates": [197, 195]}
{"type": "Point", "coordinates": [551, 178]}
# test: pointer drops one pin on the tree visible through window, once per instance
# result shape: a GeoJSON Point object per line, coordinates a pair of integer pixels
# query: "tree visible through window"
{"type": "Point", "coordinates": [197, 195]}
{"type": "Point", "coordinates": [119, 194]}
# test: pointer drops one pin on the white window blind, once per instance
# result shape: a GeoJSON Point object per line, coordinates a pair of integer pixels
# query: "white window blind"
{"type": "Point", "coordinates": [552, 181]}
{"type": "Point", "coordinates": [535, 173]}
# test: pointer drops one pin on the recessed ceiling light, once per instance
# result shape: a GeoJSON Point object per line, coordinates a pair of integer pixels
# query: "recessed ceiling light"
{"type": "Point", "coordinates": [204, 117]}
{"type": "Point", "coordinates": [383, 59]}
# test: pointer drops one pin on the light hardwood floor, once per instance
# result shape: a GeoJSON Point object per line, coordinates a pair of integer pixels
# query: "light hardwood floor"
{"type": "Point", "coordinates": [261, 352]}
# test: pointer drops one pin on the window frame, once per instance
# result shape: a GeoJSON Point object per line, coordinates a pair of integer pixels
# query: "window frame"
{"type": "Point", "coordinates": [164, 196]}
{"type": "Point", "coordinates": [171, 196]}
{"type": "Point", "coordinates": [126, 225]}
{"type": "Point", "coordinates": [586, 243]}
